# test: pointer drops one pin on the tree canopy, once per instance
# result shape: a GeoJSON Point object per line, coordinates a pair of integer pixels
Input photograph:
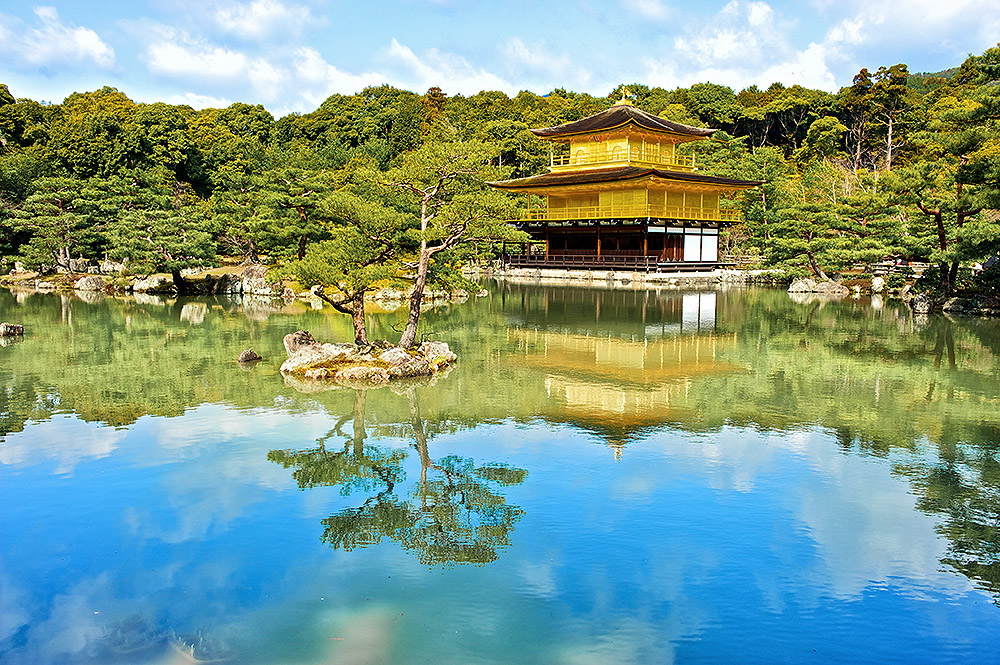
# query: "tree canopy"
{"type": "Point", "coordinates": [892, 164]}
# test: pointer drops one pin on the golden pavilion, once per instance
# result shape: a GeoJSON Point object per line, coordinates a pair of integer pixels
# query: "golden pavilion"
{"type": "Point", "coordinates": [621, 196]}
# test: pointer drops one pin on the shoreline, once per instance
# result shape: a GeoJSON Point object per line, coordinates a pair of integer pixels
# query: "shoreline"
{"type": "Point", "coordinates": [612, 279]}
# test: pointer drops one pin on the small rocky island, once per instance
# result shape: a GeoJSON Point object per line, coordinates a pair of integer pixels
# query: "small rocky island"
{"type": "Point", "coordinates": [374, 364]}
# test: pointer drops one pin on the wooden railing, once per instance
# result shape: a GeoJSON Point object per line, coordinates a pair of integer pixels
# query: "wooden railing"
{"type": "Point", "coordinates": [620, 155]}
{"type": "Point", "coordinates": [585, 260]}
{"type": "Point", "coordinates": [634, 261]}
{"type": "Point", "coordinates": [631, 212]}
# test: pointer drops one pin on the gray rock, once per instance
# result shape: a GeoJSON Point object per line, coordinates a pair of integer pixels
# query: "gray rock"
{"type": "Point", "coordinates": [807, 285]}
{"type": "Point", "coordinates": [43, 285]}
{"type": "Point", "coordinates": [348, 364]}
{"type": "Point", "coordinates": [11, 329]}
{"type": "Point", "coordinates": [297, 340]}
{"type": "Point", "coordinates": [802, 285]}
{"type": "Point", "coordinates": [248, 356]}
{"type": "Point", "coordinates": [89, 283]}
{"type": "Point", "coordinates": [906, 293]}
{"type": "Point", "coordinates": [436, 352]}
{"type": "Point", "coordinates": [957, 305]}
{"type": "Point", "coordinates": [154, 284]}
{"type": "Point", "coordinates": [228, 284]}
{"type": "Point", "coordinates": [878, 284]}
{"type": "Point", "coordinates": [403, 363]}
{"type": "Point", "coordinates": [108, 267]}
{"type": "Point", "coordinates": [364, 375]}
{"type": "Point", "coordinates": [832, 288]}
{"type": "Point", "coordinates": [79, 265]}
{"type": "Point", "coordinates": [288, 293]}
{"type": "Point", "coordinates": [255, 282]}
{"type": "Point", "coordinates": [921, 304]}
{"type": "Point", "coordinates": [309, 357]}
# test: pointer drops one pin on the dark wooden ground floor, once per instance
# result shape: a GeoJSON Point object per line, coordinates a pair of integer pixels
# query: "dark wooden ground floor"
{"type": "Point", "coordinates": [628, 262]}
{"type": "Point", "coordinates": [629, 246]}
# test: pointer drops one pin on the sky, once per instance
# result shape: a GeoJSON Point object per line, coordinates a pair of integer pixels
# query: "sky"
{"type": "Point", "coordinates": [290, 55]}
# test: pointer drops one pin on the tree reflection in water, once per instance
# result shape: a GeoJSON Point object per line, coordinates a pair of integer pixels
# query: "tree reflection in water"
{"type": "Point", "coordinates": [454, 514]}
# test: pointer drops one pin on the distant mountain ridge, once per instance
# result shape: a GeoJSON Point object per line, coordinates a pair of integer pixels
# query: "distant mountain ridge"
{"type": "Point", "coordinates": [924, 82]}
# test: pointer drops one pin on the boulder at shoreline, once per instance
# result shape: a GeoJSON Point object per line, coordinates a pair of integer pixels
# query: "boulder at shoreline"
{"type": "Point", "coordinates": [376, 364]}
{"type": "Point", "coordinates": [807, 285]}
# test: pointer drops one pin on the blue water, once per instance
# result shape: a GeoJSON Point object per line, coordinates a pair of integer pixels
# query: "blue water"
{"type": "Point", "coordinates": [737, 543]}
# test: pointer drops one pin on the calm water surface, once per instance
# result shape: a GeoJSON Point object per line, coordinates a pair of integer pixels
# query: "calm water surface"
{"type": "Point", "coordinates": [604, 477]}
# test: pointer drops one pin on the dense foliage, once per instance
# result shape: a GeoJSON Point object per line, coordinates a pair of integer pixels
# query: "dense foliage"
{"type": "Point", "coordinates": [893, 165]}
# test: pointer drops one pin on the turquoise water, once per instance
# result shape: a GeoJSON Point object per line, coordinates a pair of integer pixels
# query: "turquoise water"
{"type": "Point", "coordinates": [604, 477]}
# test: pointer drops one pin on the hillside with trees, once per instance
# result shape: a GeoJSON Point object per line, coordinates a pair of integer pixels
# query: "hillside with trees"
{"type": "Point", "coordinates": [894, 165]}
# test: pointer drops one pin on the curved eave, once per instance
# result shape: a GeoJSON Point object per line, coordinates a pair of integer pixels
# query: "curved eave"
{"type": "Point", "coordinates": [624, 174]}
{"type": "Point", "coordinates": [617, 118]}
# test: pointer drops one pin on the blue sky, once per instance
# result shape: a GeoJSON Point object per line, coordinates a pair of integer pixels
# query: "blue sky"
{"type": "Point", "coordinates": [289, 55]}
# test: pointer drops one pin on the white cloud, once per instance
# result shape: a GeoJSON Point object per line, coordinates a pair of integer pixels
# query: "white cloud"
{"type": "Point", "coordinates": [528, 62]}
{"type": "Point", "coordinates": [848, 31]}
{"type": "Point", "coordinates": [808, 68]}
{"type": "Point", "coordinates": [317, 79]}
{"type": "Point", "coordinates": [741, 34]}
{"type": "Point", "coordinates": [189, 61]}
{"type": "Point", "coordinates": [298, 80]}
{"type": "Point", "coordinates": [264, 19]}
{"type": "Point", "coordinates": [653, 9]}
{"type": "Point", "coordinates": [450, 72]}
{"type": "Point", "coordinates": [55, 44]}
{"type": "Point", "coordinates": [63, 439]}
{"type": "Point", "coordinates": [197, 101]}
{"type": "Point", "coordinates": [745, 44]}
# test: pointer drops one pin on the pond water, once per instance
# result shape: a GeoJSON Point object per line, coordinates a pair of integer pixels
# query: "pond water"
{"type": "Point", "coordinates": [605, 476]}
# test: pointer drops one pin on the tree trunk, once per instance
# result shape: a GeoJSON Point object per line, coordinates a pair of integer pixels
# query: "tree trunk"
{"type": "Point", "coordinates": [302, 247]}
{"type": "Point", "coordinates": [946, 284]}
{"type": "Point", "coordinates": [252, 255]}
{"type": "Point", "coordinates": [815, 267]}
{"type": "Point", "coordinates": [358, 317]}
{"type": "Point", "coordinates": [355, 306]}
{"type": "Point", "coordinates": [180, 283]}
{"type": "Point", "coordinates": [410, 331]}
{"type": "Point", "coordinates": [888, 146]}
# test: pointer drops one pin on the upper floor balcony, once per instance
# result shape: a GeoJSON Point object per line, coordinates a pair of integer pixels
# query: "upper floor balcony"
{"type": "Point", "coordinates": [651, 156]}
{"type": "Point", "coordinates": [635, 211]}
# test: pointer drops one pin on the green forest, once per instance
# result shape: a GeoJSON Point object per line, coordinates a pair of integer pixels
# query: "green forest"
{"type": "Point", "coordinates": [387, 183]}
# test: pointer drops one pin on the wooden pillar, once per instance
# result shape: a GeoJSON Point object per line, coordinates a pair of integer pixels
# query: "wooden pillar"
{"type": "Point", "coordinates": [598, 227]}
{"type": "Point", "coordinates": [645, 240]}
{"type": "Point", "coordinates": [546, 243]}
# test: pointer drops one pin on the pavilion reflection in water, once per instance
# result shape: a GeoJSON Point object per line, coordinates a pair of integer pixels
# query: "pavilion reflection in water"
{"type": "Point", "coordinates": [618, 385]}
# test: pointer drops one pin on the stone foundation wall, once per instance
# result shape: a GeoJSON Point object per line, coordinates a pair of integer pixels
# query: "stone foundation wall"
{"type": "Point", "coordinates": [604, 278]}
